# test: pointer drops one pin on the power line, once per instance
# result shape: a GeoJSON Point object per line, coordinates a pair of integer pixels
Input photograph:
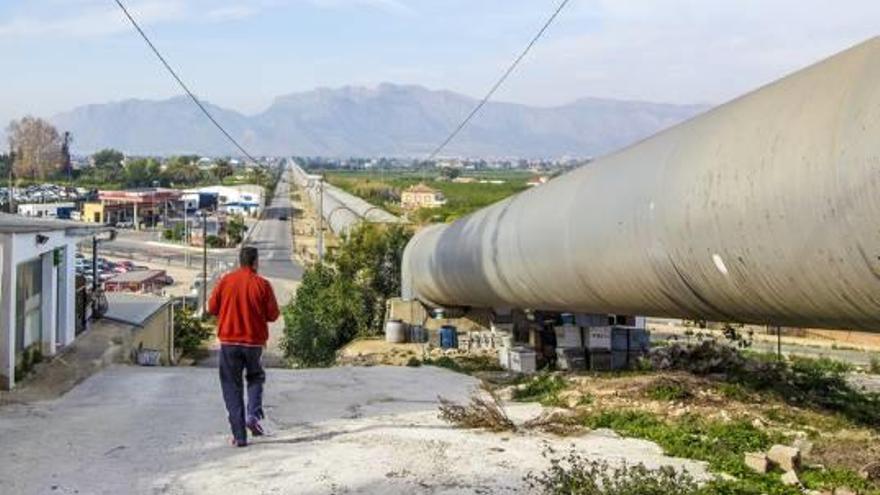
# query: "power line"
{"type": "Point", "coordinates": [500, 81]}
{"type": "Point", "coordinates": [182, 84]}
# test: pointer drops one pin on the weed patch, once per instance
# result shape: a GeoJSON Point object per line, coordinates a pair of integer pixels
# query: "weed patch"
{"type": "Point", "coordinates": [576, 475]}
{"type": "Point", "coordinates": [668, 390]}
{"type": "Point", "coordinates": [544, 388]}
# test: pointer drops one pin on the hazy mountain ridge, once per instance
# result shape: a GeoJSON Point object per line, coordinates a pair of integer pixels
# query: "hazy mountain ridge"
{"type": "Point", "coordinates": [392, 120]}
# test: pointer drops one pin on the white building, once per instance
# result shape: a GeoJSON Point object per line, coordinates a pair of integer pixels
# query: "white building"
{"type": "Point", "coordinates": [37, 289]}
{"type": "Point", "coordinates": [46, 210]}
{"type": "Point", "coordinates": [245, 199]}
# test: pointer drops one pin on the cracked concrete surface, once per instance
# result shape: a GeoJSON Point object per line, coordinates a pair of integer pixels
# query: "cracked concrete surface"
{"type": "Point", "coordinates": [335, 431]}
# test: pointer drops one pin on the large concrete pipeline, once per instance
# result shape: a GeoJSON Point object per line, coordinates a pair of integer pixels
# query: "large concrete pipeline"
{"type": "Point", "coordinates": [764, 210]}
{"type": "Point", "coordinates": [342, 211]}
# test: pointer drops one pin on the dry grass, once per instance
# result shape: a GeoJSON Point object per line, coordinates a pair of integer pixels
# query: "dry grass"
{"type": "Point", "coordinates": [484, 411]}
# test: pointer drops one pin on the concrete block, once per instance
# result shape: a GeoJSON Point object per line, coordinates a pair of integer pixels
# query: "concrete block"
{"type": "Point", "coordinates": [757, 461]}
{"type": "Point", "coordinates": [787, 458]}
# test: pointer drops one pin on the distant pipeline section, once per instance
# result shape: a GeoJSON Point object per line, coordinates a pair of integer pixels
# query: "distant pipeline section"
{"type": "Point", "coordinates": [764, 210]}
{"type": "Point", "coordinates": [341, 211]}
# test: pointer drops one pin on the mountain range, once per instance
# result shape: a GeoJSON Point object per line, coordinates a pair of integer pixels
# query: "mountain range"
{"type": "Point", "coordinates": [388, 120]}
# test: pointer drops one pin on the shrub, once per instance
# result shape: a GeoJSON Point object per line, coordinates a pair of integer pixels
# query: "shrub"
{"type": "Point", "coordinates": [444, 362]}
{"type": "Point", "coordinates": [215, 242]}
{"type": "Point", "coordinates": [811, 383]}
{"type": "Point", "coordinates": [322, 319]}
{"type": "Point", "coordinates": [875, 365]}
{"type": "Point", "coordinates": [189, 332]}
{"type": "Point", "coordinates": [414, 362]}
{"type": "Point", "coordinates": [345, 297]}
{"type": "Point", "coordinates": [576, 475]}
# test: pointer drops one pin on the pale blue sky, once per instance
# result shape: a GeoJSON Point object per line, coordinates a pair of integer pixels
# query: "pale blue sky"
{"type": "Point", "coordinates": [57, 54]}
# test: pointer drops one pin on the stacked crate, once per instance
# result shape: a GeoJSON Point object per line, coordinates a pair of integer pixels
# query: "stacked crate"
{"type": "Point", "coordinates": [597, 342]}
{"type": "Point", "coordinates": [570, 354]}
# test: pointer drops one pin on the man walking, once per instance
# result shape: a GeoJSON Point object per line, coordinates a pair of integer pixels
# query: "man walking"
{"type": "Point", "coordinates": [244, 304]}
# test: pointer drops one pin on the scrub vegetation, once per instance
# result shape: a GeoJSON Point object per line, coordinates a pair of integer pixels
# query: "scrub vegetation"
{"type": "Point", "coordinates": [713, 403]}
{"type": "Point", "coordinates": [345, 297]}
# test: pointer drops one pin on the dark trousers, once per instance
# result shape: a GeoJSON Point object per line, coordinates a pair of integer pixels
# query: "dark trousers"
{"type": "Point", "coordinates": [236, 360]}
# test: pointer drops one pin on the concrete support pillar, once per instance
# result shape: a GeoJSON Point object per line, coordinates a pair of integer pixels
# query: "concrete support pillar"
{"type": "Point", "coordinates": [135, 219]}
{"type": "Point", "coordinates": [67, 296]}
{"type": "Point", "coordinates": [7, 313]}
{"type": "Point", "coordinates": [49, 304]}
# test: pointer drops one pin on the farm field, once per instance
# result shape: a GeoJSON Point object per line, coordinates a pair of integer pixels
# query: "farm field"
{"type": "Point", "coordinates": [383, 188]}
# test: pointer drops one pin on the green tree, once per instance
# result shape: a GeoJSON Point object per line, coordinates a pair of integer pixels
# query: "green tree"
{"type": "Point", "coordinates": [141, 172]}
{"type": "Point", "coordinates": [222, 170]}
{"type": "Point", "coordinates": [323, 318]}
{"type": "Point", "coordinates": [345, 297]}
{"type": "Point", "coordinates": [450, 172]}
{"type": "Point", "coordinates": [182, 171]}
{"type": "Point", "coordinates": [108, 167]}
{"type": "Point", "coordinates": [235, 230]}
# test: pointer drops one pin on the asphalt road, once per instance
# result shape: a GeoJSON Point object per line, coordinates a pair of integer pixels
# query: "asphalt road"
{"type": "Point", "coordinates": [272, 236]}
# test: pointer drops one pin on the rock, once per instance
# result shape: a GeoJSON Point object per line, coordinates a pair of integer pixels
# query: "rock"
{"type": "Point", "coordinates": [757, 461]}
{"type": "Point", "coordinates": [787, 458]}
{"type": "Point", "coordinates": [844, 491]}
{"type": "Point", "coordinates": [790, 478]}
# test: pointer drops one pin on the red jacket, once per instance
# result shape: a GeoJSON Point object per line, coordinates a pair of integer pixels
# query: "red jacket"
{"type": "Point", "coordinates": [244, 304]}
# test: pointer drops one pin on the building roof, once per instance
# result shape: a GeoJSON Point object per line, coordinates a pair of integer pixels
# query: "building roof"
{"type": "Point", "coordinates": [16, 224]}
{"type": "Point", "coordinates": [134, 309]}
{"type": "Point", "coordinates": [137, 276]}
{"type": "Point", "coordinates": [422, 188]}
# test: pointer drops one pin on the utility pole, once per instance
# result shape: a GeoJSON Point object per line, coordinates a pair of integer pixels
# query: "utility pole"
{"type": "Point", "coordinates": [11, 189]}
{"type": "Point", "coordinates": [205, 265]}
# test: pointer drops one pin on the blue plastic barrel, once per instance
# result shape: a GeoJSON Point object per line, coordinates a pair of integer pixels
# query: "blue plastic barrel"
{"type": "Point", "coordinates": [448, 337]}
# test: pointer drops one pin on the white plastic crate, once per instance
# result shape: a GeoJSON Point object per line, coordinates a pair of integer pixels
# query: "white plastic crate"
{"type": "Point", "coordinates": [568, 337]}
{"type": "Point", "coordinates": [523, 360]}
{"type": "Point", "coordinates": [598, 338]}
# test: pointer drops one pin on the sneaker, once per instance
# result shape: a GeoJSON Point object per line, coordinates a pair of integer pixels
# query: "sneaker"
{"type": "Point", "coordinates": [255, 427]}
{"type": "Point", "coordinates": [237, 443]}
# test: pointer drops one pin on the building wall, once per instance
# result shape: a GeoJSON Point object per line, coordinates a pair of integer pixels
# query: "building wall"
{"type": "Point", "coordinates": [156, 334]}
{"type": "Point", "coordinates": [49, 210]}
{"type": "Point", "coordinates": [57, 294]}
{"type": "Point", "coordinates": [93, 213]}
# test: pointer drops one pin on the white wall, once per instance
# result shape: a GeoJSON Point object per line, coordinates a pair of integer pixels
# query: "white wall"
{"type": "Point", "coordinates": [19, 248]}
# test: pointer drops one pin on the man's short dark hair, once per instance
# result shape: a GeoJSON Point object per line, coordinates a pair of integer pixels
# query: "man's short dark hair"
{"type": "Point", "coordinates": [248, 256]}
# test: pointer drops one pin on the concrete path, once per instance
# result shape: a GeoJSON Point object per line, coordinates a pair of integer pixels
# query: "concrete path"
{"type": "Point", "coordinates": [341, 430]}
